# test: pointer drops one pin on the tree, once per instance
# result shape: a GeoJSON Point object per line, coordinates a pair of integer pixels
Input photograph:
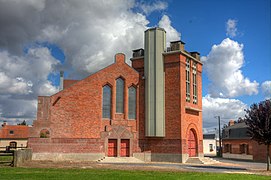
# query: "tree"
{"type": "Point", "coordinates": [22, 123]}
{"type": "Point", "coordinates": [258, 119]}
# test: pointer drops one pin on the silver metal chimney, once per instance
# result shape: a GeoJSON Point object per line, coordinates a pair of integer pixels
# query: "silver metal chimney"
{"type": "Point", "coordinates": [61, 80]}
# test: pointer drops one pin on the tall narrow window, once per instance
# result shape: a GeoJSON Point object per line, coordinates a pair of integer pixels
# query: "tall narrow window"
{"type": "Point", "coordinates": [132, 103]}
{"type": "Point", "coordinates": [195, 92]}
{"type": "Point", "coordinates": [187, 77]}
{"type": "Point", "coordinates": [119, 95]}
{"type": "Point", "coordinates": [107, 101]}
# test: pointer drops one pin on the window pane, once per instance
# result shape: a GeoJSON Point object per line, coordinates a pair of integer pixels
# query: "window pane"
{"type": "Point", "coordinates": [187, 69]}
{"type": "Point", "coordinates": [119, 95]}
{"type": "Point", "coordinates": [195, 93]}
{"type": "Point", "coordinates": [106, 102]}
{"type": "Point", "coordinates": [132, 103]}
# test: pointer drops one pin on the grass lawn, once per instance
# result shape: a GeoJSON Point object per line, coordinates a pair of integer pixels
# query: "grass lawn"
{"type": "Point", "coordinates": [6, 158]}
{"type": "Point", "coordinates": [77, 174]}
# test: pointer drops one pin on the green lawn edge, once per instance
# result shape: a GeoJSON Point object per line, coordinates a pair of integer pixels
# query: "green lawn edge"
{"type": "Point", "coordinates": [77, 174]}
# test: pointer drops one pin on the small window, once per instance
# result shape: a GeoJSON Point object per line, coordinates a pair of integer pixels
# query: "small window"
{"type": "Point", "coordinates": [243, 149]}
{"type": "Point", "coordinates": [211, 147]}
{"type": "Point", "coordinates": [11, 132]}
{"type": "Point", "coordinates": [13, 144]}
{"type": "Point", "coordinates": [227, 148]}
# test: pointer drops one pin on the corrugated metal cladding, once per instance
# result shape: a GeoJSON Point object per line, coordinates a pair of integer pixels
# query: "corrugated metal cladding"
{"type": "Point", "coordinates": [155, 45]}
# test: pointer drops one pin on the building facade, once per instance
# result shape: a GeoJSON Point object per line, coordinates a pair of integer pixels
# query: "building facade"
{"type": "Point", "coordinates": [210, 144]}
{"type": "Point", "coordinates": [14, 136]}
{"type": "Point", "coordinates": [237, 144]}
{"type": "Point", "coordinates": [150, 110]}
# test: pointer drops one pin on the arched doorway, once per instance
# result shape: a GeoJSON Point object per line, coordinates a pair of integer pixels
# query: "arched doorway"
{"type": "Point", "coordinates": [192, 143]}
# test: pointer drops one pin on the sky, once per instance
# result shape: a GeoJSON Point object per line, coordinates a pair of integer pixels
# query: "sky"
{"type": "Point", "coordinates": [38, 38]}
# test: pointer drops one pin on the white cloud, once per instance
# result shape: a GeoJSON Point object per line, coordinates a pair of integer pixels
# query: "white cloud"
{"type": "Point", "coordinates": [223, 66]}
{"type": "Point", "coordinates": [22, 79]}
{"type": "Point", "coordinates": [16, 110]}
{"type": "Point", "coordinates": [224, 107]}
{"type": "Point", "coordinates": [89, 32]}
{"type": "Point", "coordinates": [266, 89]}
{"type": "Point", "coordinates": [172, 33]}
{"type": "Point", "coordinates": [231, 28]}
{"type": "Point", "coordinates": [148, 7]}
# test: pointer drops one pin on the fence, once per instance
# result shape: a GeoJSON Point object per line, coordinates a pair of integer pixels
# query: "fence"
{"type": "Point", "coordinates": [14, 156]}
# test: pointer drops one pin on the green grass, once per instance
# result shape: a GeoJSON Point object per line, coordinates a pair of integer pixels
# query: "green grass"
{"type": "Point", "coordinates": [6, 158]}
{"type": "Point", "coordinates": [77, 174]}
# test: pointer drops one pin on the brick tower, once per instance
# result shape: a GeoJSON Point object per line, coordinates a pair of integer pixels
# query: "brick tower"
{"type": "Point", "coordinates": [173, 78]}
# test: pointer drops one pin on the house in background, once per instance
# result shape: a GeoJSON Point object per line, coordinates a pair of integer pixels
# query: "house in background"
{"type": "Point", "coordinates": [237, 143]}
{"type": "Point", "coordinates": [15, 136]}
{"type": "Point", "coordinates": [210, 144]}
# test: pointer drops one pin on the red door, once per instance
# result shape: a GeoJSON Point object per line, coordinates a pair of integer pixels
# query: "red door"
{"type": "Point", "coordinates": [112, 147]}
{"type": "Point", "coordinates": [125, 146]}
{"type": "Point", "coordinates": [192, 144]}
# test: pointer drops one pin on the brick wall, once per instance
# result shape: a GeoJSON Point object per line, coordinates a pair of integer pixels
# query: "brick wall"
{"type": "Point", "coordinates": [257, 151]}
{"type": "Point", "coordinates": [75, 113]}
{"type": "Point", "coordinates": [178, 120]}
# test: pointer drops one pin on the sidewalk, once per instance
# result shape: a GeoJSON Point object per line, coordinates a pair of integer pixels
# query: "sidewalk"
{"type": "Point", "coordinates": [249, 165]}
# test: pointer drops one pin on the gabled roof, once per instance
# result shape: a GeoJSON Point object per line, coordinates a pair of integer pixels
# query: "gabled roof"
{"type": "Point", "coordinates": [237, 126]}
{"type": "Point", "coordinates": [236, 131]}
{"type": "Point", "coordinates": [119, 59]}
{"type": "Point", "coordinates": [14, 132]}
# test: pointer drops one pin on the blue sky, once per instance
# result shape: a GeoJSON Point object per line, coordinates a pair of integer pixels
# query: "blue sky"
{"type": "Point", "coordinates": [38, 39]}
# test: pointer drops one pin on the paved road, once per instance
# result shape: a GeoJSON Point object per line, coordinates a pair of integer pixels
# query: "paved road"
{"type": "Point", "coordinates": [243, 164]}
{"type": "Point", "coordinates": [225, 166]}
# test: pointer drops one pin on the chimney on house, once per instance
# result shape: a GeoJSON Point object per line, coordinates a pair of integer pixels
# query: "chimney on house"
{"type": "Point", "coordinates": [195, 55]}
{"type": "Point", "coordinates": [177, 45]}
{"type": "Point", "coordinates": [61, 80]}
{"type": "Point", "coordinates": [138, 53]}
{"type": "Point", "coordinates": [231, 122]}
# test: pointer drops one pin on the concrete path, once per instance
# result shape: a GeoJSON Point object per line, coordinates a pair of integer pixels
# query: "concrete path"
{"type": "Point", "coordinates": [225, 166]}
{"type": "Point", "coordinates": [242, 164]}
{"type": "Point", "coordinates": [120, 160]}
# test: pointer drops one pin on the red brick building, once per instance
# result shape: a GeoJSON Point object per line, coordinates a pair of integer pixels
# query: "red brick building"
{"type": "Point", "coordinates": [237, 144]}
{"type": "Point", "coordinates": [150, 110]}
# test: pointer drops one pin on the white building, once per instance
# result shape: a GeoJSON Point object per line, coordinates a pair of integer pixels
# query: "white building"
{"type": "Point", "coordinates": [210, 143]}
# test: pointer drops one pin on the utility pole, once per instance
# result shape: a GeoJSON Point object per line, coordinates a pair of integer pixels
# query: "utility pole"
{"type": "Point", "coordinates": [220, 140]}
{"type": "Point", "coordinates": [219, 136]}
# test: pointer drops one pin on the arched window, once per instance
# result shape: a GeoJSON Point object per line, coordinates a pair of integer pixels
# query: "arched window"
{"type": "Point", "coordinates": [44, 133]}
{"type": "Point", "coordinates": [132, 103]}
{"type": "Point", "coordinates": [119, 95]}
{"type": "Point", "coordinates": [107, 101]}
